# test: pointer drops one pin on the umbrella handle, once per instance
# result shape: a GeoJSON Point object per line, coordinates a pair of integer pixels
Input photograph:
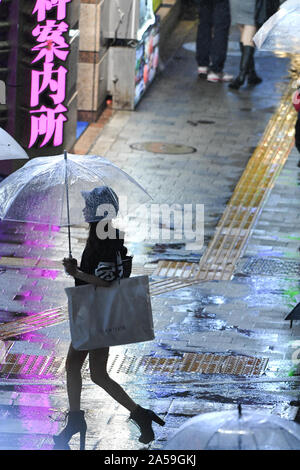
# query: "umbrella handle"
{"type": "Point", "coordinates": [68, 205]}
{"type": "Point", "coordinates": [69, 238]}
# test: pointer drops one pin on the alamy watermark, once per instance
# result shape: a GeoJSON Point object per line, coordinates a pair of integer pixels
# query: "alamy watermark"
{"type": "Point", "coordinates": [153, 222]}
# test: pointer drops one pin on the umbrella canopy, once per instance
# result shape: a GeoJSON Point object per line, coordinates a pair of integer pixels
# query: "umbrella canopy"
{"type": "Point", "coordinates": [37, 191]}
{"type": "Point", "coordinates": [281, 33]}
{"type": "Point", "coordinates": [294, 314]}
{"type": "Point", "coordinates": [54, 191]}
{"type": "Point", "coordinates": [234, 430]}
{"type": "Point", "coordinates": [9, 147]}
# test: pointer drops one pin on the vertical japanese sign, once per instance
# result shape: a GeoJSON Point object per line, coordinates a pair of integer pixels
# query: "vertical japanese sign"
{"type": "Point", "coordinates": [48, 74]}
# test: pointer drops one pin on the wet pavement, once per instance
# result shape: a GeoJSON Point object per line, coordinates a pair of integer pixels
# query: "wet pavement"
{"type": "Point", "coordinates": [218, 343]}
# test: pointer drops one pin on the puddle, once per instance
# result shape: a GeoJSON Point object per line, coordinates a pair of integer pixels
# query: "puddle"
{"type": "Point", "coordinates": [170, 251]}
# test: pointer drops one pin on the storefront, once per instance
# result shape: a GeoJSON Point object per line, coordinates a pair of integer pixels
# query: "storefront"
{"type": "Point", "coordinates": [118, 56]}
{"type": "Point", "coordinates": [134, 60]}
{"type": "Point", "coordinates": [119, 51]}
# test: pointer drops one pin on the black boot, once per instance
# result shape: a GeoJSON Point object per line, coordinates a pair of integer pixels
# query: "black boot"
{"type": "Point", "coordinates": [76, 423]}
{"type": "Point", "coordinates": [253, 78]}
{"type": "Point", "coordinates": [247, 56]}
{"type": "Point", "coordinates": [143, 418]}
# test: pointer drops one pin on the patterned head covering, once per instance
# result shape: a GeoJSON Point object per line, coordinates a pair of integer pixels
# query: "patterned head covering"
{"type": "Point", "coordinates": [98, 197]}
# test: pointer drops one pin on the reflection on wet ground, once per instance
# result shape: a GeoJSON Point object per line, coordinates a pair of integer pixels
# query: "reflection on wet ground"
{"type": "Point", "coordinates": [33, 413]}
{"type": "Point", "coordinates": [218, 343]}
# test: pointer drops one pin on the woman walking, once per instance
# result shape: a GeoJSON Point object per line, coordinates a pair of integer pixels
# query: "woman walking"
{"type": "Point", "coordinates": [243, 14]}
{"type": "Point", "coordinates": [98, 251]}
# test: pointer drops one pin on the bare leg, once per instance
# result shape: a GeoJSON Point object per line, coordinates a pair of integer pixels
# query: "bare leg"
{"type": "Point", "coordinates": [74, 363]}
{"type": "Point", "coordinates": [247, 35]}
{"type": "Point", "coordinates": [142, 417]}
{"type": "Point", "coordinates": [98, 368]}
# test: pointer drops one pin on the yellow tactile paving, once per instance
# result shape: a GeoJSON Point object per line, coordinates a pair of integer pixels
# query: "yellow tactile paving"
{"type": "Point", "coordinates": [243, 209]}
{"type": "Point", "coordinates": [32, 322]}
{"type": "Point", "coordinates": [240, 215]}
{"type": "Point", "coordinates": [204, 363]}
{"type": "Point", "coordinates": [232, 232]}
{"type": "Point", "coordinates": [22, 365]}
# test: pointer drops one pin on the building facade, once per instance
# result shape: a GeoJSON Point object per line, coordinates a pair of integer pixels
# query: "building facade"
{"type": "Point", "coordinates": [61, 59]}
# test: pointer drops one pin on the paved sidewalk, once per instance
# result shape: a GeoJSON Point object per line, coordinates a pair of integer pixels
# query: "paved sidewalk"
{"type": "Point", "coordinates": [217, 343]}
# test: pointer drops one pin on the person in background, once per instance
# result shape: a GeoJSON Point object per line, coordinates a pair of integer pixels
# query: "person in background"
{"type": "Point", "coordinates": [243, 14]}
{"type": "Point", "coordinates": [212, 39]}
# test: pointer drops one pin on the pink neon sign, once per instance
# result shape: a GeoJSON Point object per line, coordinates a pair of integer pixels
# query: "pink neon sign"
{"type": "Point", "coordinates": [50, 45]}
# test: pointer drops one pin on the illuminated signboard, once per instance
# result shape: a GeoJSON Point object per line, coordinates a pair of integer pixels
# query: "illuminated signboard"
{"type": "Point", "coordinates": [48, 74]}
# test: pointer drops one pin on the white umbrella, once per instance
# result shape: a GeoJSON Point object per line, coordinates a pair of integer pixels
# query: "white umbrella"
{"type": "Point", "coordinates": [9, 147]}
{"type": "Point", "coordinates": [281, 33]}
{"type": "Point", "coordinates": [236, 430]}
{"type": "Point", "coordinates": [48, 190]}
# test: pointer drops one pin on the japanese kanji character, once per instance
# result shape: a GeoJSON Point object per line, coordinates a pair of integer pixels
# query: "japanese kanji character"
{"type": "Point", "coordinates": [51, 41]}
{"type": "Point", "coordinates": [51, 31]}
{"type": "Point", "coordinates": [57, 85]}
{"type": "Point", "coordinates": [48, 124]}
{"type": "Point", "coordinates": [42, 6]}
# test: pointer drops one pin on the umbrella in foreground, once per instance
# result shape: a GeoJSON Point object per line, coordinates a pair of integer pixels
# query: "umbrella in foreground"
{"type": "Point", "coordinates": [281, 33]}
{"type": "Point", "coordinates": [9, 147]}
{"type": "Point", "coordinates": [48, 190]}
{"type": "Point", "coordinates": [236, 430]}
{"type": "Point", "coordinates": [294, 314]}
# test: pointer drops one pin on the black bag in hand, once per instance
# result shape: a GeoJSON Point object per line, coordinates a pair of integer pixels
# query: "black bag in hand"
{"type": "Point", "coordinates": [264, 9]}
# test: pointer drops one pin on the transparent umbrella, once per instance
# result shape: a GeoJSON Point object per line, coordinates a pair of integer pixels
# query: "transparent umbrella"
{"type": "Point", "coordinates": [281, 33]}
{"type": "Point", "coordinates": [48, 190]}
{"type": "Point", "coordinates": [236, 430]}
{"type": "Point", "coordinates": [9, 147]}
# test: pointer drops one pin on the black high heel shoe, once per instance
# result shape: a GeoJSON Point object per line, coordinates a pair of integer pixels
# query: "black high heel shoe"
{"type": "Point", "coordinates": [143, 418]}
{"type": "Point", "coordinates": [76, 423]}
{"type": "Point", "coordinates": [246, 60]}
{"type": "Point", "coordinates": [253, 78]}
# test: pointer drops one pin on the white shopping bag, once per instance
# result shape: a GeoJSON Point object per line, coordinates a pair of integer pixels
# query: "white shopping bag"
{"type": "Point", "coordinates": [110, 316]}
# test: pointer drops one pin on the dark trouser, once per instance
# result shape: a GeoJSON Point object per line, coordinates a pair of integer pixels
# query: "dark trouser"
{"type": "Point", "coordinates": [213, 32]}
